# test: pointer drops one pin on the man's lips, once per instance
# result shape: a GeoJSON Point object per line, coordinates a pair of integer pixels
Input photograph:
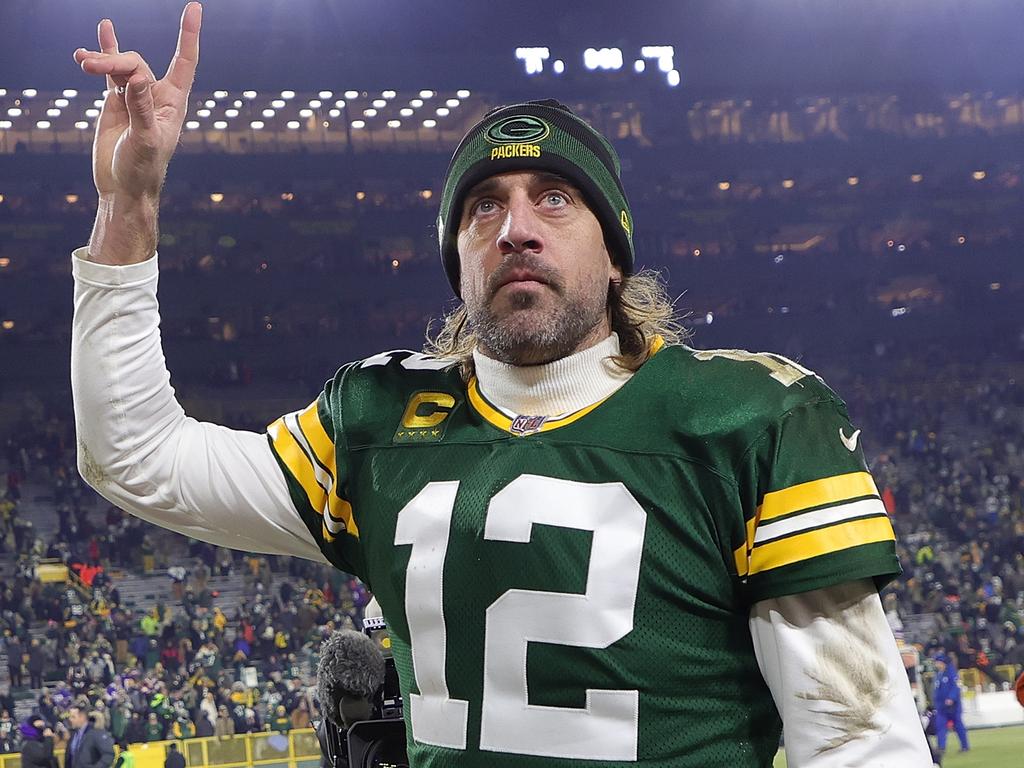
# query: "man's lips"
{"type": "Point", "coordinates": [521, 276]}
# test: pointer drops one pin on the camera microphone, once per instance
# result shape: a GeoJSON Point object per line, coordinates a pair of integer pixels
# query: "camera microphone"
{"type": "Point", "coordinates": [348, 676]}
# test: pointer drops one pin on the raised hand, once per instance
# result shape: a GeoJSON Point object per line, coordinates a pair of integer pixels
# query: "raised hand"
{"type": "Point", "coordinates": [136, 134]}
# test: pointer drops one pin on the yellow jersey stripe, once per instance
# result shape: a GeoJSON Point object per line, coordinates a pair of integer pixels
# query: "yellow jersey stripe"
{"type": "Point", "coordinates": [339, 516]}
{"type": "Point", "coordinates": [503, 422]}
{"type": "Point", "coordinates": [323, 448]}
{"type": "Point", "coordinates": [298, 463]}
{"type": "Point", "coordinates": [815, 493]}
{"type": "Point", "coordinates": [823, 541]}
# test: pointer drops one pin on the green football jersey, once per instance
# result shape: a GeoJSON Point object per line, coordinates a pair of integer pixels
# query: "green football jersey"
{"type": "Point", "coordinates": [578, 588]}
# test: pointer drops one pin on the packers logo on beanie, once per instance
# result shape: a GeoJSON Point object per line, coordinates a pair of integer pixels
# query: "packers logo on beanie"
{"type": "Point", "coordinates": [537, 135]}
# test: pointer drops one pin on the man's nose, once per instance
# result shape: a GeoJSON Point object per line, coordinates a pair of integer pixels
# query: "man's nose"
{"type": "Point", "coordinates": [520, 230]}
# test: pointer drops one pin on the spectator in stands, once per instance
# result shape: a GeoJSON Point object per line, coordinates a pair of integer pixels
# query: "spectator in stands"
{"type": "Point", "coordinates": [89, 747]}
{"type": "Point", "coordinates": [37, 744]}
{"type": "Point", "coordinates": [36, 664]}
{"type": "Point", "coordinates": [15, 651]}
{"type": "Point", "coordinates": [225, 725]}
{"type": "Point", "coordinates": [8, 738]}
{"type": "Point", "coordinates": [135, 731]}
{"type": "Point", "coordinates": [154, 728]}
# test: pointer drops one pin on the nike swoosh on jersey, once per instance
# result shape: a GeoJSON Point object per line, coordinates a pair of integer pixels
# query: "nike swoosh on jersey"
{"type": "Point", "coordinates": [851, 441]}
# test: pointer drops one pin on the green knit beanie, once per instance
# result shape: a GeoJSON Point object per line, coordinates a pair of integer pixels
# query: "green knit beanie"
{"type": "Point", "coordinates": [537, 135]}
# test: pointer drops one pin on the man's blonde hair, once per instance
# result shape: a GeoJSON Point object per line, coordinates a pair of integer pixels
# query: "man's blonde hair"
{"type": "Point", "coordinates": [639, 308]}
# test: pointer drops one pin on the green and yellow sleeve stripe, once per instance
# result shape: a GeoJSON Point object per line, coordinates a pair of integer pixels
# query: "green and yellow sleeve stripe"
{"type": "Point", "coordinates": [303, 445]}
{"type": "Point", "coordinates": [811, 519]}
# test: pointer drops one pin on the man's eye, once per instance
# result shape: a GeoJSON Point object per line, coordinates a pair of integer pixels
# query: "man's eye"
{"type": "Point", "coordinates": [484, 206]}
{"type": "Point", "coordinates": [555, 198]}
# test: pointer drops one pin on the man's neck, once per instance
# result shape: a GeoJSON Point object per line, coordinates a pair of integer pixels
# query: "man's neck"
{"type": "Point", "coordinates": [552, 389]}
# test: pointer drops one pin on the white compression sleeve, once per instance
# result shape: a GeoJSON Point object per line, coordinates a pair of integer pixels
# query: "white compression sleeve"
{"type": "Point", "coordinates": [137, 447]}
{"type": "Point", "coordinates": [837, 678]}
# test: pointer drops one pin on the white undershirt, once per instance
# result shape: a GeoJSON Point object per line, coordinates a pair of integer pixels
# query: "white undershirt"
{"type": "Point", "coordinates": [553, 389]}
{"type": "Point", "coordinates": [140, 451]}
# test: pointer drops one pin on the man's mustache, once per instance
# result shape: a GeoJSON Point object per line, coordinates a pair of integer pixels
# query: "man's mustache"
{"type": "Point", "coordinates": [525, 262]}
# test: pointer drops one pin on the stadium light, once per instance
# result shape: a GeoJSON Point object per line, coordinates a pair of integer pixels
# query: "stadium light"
{"type": "Point", "coordinates": [309, 113]}
{"type": "Point", "coordinates": [315, 103]}
{"type": "Point", "coordinates": [673, 78]}
{"type": "Point", "coordinates": [30, 93]}
{"type": "Point", "coordinates": [394, 123]}
{"type": "Point", "coordinates": [339, 103]}
{"type": "Point", "coordinates": [269, 113]}
{"type": "Point", "coordinates": [724, 186]}
{"type": "Point", "coordinates": [358, 124]}
{"type": "Point", "coordinates": [249, 94]}
{"type": "Point", "coordinates": [230, 113]}
{"type": "Point", "coordinates": [220, 94]}
{"type": "Point", "coordinates": [558, 67]}
{"type": "Point", "coordinates": [71, 198]}
{"type": "Point", "coordinates": [452, 103]}
{"type": "Point", "coordinates": [53, 113]}
{"type": "Point", "coordinates": [3, 91]}
{"type": "Point", "coordinates": [916, 178]}
{"type": "Point", "coordinates": [332, 113]}
{"type": "Point", "coordinates": [92, 112]}
{"type": "Point", "coordinates": [43, 125]}
{"type": "Point", "coordinates": [709, 318]}
{"type": "Point", "coordinates": [853, 181]}
{"type": "Point", "coordinates": [14, 112]}
{"type": "Point", "coordinates": [326, 94]}
{"type": "Point", "coordinates": [67, 93]}
{"type": "Point", "coordinates": [429, 123]}
{"type": "Point", "coordinates": [463, 94]}
{"type": "Point", "coordinates": [788, 183]}
{"type": "Point", "coordinates": [533, 58]}
{"type": "Point", "coordinates": [203, 112]}
{"type": "Point", "coordinates": [210, 104]}
{"type": "Point", "coordinates": [293, 125]}
{"type": "Point", "coordinates": [369, 112]}
{"type": "Point", "coordinates": [351, 94]}
{"type": "Point", "coordinates": [406, 112]}
{"type": "Point", "coordinates": [61, 103]}
{"type": "Point", "coordinates": [278, 103]}
{"type": "Point", "coordinates": [220, 125]}
{"type": "Point", "coordinates": [5, 125]}
{"type": "Point", "coordinates": [417, 103]}
{"type": "Point", "coordinates": [81, 125]}
{"type": "Point", "coordinates": [216, 197]}
{"type": "Point", "coordinates": [192, 125]}
{"type": "Point", "coordinates": [379, 103]}
{"type": "Point", "coordinates": [639, 66]}
{"type": "Point", "coordinates": [237, 104]}
{"type": "Point", "coordinates": [389, 94]}
{"type": "Point", "coordinates": [442, 112]}
{"type": "Point", "coordinates": [287, 94]}
{"type": "Point", "coordinates": [978, 175]}
{"type": "Point", "coordinates": [426, 94]}
{"type": "Point", "coordinates": [256, 125]}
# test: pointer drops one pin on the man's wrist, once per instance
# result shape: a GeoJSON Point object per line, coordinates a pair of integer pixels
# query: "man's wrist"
{"type": "Point", "coordinates": [126, 230]}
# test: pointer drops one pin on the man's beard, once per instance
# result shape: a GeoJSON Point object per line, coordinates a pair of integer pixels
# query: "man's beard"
{"type": "Point", "coordinates": [528, 336]}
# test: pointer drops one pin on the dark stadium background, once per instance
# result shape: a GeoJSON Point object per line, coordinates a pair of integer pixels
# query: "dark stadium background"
{"type": "Point", "coordinates": [843, 185]}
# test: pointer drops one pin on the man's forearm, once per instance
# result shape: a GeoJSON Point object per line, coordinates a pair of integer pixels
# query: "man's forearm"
{"type": "Point", "coordinates": [126, 230]}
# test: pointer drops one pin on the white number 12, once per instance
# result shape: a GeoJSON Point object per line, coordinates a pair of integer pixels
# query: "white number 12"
{"type": "Point", "coordinates": [607, 727]}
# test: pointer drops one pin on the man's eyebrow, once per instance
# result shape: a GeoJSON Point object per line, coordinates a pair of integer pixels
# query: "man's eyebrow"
{"type": "Point", "coordinates": [541, 178]}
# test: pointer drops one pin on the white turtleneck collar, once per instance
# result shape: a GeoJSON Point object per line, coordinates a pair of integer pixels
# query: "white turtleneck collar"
{"type": "Point", "coordinates": [553, 389]}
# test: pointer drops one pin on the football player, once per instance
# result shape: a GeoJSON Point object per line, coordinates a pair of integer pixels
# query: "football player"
{"type": "Point", "coordinates": [593, 544]}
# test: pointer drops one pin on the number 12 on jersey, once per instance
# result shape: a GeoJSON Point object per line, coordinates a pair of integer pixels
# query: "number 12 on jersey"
{"type": "Point", "coordinates": [607, 727]}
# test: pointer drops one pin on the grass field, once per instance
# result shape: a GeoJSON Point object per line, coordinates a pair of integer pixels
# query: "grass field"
{"type": "Point", "coordinates": [990, 748]}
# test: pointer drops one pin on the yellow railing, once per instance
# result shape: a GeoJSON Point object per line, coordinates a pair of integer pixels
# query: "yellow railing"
{"type": "Point", "coordinates": [294, 749]}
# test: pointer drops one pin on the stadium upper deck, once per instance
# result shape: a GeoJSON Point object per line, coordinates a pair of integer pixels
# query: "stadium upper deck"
{"type": "Point", "coordinates": [344, 119]}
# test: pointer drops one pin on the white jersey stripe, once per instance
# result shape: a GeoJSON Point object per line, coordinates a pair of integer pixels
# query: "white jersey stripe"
{"type": "Point", "coordinates": [818, 517]}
